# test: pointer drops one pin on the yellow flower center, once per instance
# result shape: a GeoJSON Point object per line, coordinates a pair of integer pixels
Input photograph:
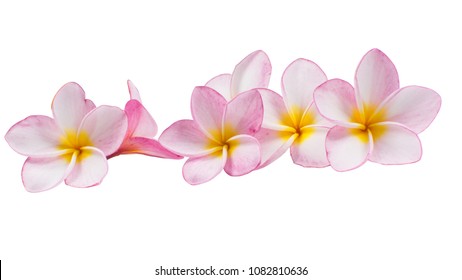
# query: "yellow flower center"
{"type": "Point", "coordinates": [299, 123]}
{"type": "Point", "coordinates": [75, 145]}
{"type": "Point", "coordinates": [221, 141]}
{"type": "Point", "coordinates": [368, 118]}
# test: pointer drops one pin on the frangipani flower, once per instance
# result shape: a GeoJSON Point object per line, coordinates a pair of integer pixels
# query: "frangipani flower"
{"type": "Point", "coordinates": [141, 129]}
{"type": "Point", "coordinates": [376, 120]}
{"type": "Point", "coordinates": [219, 136]}
{"type": "Point", "coordinates": [71, 147]}
{"type": "Point", "coordinates": [293, 120]}
{"type": "Point", "coordinates": [254, 71]}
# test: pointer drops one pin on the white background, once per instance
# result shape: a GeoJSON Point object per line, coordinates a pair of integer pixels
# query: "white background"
{"type": "Point", "coordinates": [376, 222]}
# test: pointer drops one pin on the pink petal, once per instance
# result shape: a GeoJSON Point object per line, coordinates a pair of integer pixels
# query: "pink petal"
{"type": "Point", "coordinates": [70, 107]}
{"type": "Point", "coordinates": [186, 138]}
{"type": "Point", "coordinates": [222, 84]}
{"type": "Point", "coordinates": [140, 122]}
{"type": "Point", "coordinates": [413, 106]}
{"type": "Point", "coordinates": [35, 136]}
{"type": "Point", "coordinates": [41, 174]}
{"type": "Point", "coordinates": [273, 144]}
{"type": "Point", "coordinates": [203, 169]}
{"type": "Point", "coordinates": [89, 170]}
{"type": "Point", "coordinates": [347, 148]}
{"type": "Point", "coordinates": [145, 146]}
{"type": "Point", "coordinates": [134, 93]}
{"type": "Point", "coordinates": [243, 155]}
{"type": "Point", "coordinates": [309, 149]}
{"type": "Point", "coordinates": [376, 78]}
{"type": "Point", "coordinates": [312, 117]}
{"type": "Point", "coordinates": [207, 108]}
{"type": "Point", "coordinates": [243, 115]}
{"type": "Point", "coordinates": [253, 71]}
{"type": "Point", "coordinates": [105, 127]}
{"type": "Point", "coordinates": [395, 144]}
{"type": "Point", "coordinates": [299, 81]}
{"type": "Point", "coordinates": [335, 100]}
{"type": "Point", "coordinates": [275, 112]}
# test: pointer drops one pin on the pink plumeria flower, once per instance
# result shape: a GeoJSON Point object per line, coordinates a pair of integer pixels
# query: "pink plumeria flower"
{"type": "Point", "coordinates": [141, 130]}
{"type": "Point", "coordinates": [292, 120]}
{"type": "Point", "coordinates": [254, 71]}
{"type": "Point", "coordinates": [376, 120]}
{"type": "Point", "coordinates": [71, 147]}
{"type": "Point", "coordinates": [218, 137]}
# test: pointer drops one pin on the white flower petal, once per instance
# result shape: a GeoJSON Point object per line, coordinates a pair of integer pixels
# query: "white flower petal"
{"type": "Point", "coordinates": [89, 170]}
